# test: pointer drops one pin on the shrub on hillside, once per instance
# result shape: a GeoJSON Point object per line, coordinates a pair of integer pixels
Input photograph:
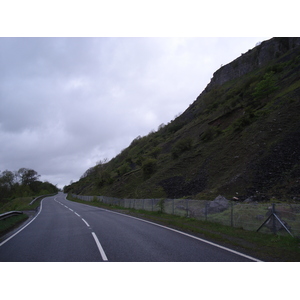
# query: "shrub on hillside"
{"type": "Point", "coordinates": [149, 167]}
{"type": "Point", "coordinates": [123, 169]}
{"type": "Point", "coordinates": [155, 152]}
{"type": "Point", "coordinates": [181, 146]}
{"type": "Point", "coordinates": [266, 86]}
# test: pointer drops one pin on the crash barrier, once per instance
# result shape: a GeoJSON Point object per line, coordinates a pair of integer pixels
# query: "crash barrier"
{"type": "Point", "coordinates": [10, 214]}
{"type": "Point", "coordinates": [279, 218]}
{"type": "Point", "coordinates": [40, 197]}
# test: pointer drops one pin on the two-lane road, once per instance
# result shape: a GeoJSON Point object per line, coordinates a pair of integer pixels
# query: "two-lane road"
{"type": "Point", "coordinates": [68, 231]}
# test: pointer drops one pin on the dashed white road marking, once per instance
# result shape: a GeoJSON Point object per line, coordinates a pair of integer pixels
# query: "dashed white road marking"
{"type": "Point", "coordinates": [86, 223]}
{"type": "Point", "coordinates": [100, 248]}
{"type": "Point", "coordinates": [103, 255]}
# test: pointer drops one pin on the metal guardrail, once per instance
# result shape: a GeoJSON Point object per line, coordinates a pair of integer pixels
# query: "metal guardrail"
{"type": "Point", "coordinates": [40, 197]}
{"type": "Point", "coordinates": [10, 214]}
{"type": "Point", "coordinates": [37, 198]}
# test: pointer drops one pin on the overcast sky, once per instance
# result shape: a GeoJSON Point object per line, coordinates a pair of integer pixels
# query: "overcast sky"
{"type": "Point", "coordinates": [66, 103]}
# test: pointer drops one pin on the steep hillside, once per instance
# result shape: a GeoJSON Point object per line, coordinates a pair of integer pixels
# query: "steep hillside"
{"type": "Point", "coordinates": [240, 138]}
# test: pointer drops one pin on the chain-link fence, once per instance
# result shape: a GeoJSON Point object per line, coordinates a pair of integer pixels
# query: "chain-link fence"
{"type": "Point", "coordinates": [280, 218]}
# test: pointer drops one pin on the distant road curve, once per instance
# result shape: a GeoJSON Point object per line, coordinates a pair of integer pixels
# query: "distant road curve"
{"type": "Point", "coordinates": [68, 231]}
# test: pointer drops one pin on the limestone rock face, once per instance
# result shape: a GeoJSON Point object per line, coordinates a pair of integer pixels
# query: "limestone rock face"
{"type": "Point", "coordinates": [253, 59]}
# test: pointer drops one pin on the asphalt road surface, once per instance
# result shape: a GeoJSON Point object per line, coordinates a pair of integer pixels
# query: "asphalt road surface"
{"type": "Point", "coordinates": [66, 231]}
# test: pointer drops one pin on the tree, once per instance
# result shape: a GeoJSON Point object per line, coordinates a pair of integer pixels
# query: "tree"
{"type": "Point", "coordinates": [7, 179]}
{"type": "Point", "coordinates": [28, 176]}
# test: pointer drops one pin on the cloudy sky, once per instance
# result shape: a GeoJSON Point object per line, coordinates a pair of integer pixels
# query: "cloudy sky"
{"type": "Point", "coordinates": [66, 103]}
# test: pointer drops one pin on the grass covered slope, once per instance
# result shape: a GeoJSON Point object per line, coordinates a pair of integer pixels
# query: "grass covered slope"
{"type": "Point", "coordinates": [241, 137]}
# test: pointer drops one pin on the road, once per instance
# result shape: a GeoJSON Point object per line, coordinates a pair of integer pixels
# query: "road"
{"type": "Point", "coordinates": [66, 231]}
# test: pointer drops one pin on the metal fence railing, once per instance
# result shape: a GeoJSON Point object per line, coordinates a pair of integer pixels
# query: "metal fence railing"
{"type": "Point", "coordinates": [10, 214]}
{"type": "Point", "coordinates": [249, 216]}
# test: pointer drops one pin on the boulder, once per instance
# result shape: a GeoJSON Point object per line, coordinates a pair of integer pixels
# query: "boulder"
{"type": "Point", "coordinates": [218, 205]}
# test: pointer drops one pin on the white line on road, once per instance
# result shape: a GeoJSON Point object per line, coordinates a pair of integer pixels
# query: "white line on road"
{"type": "Point", "coordinates": [24, 226]}
{"type": "Point", "coordinates": [189, 235]}
{"type": "Point", "coordinates": [86, 223]}
{"type": "Point", "coordinates": [103, 255]}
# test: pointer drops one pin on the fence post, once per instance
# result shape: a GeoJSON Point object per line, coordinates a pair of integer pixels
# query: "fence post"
{"type": "Point", "coordinates": [206, 209]}
{"type": "Point", "coordinates": [187, 208]}
{"type": "Point", "coordinates": [273, 219]}
{"type": "Point", "coordinates": [231, 214]}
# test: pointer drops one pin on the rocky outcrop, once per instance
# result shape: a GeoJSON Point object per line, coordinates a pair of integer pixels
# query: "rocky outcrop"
{"type": "Point", "coordinates": [253, 59]}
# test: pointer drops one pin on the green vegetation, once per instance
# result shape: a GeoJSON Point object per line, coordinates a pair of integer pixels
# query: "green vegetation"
{"type": "Point", "coordinates": [9, 223]}
{"type": "Point", "coordinates": [23, 183]}
{"type": "Point", "coordinates": [265, 87]}
{"type": "Point", "coordinates": [17, 190]}
{"type": "Point", "coordinates": [161, 205]}
{"type": "Point", "coordinates": [181, 146]}
{"type": "Point", "coordinates": [149, 167]}
{"type": "Point", "coordinates": [237, 138]}
{"type": "Point", "coordinates": [20, 204]}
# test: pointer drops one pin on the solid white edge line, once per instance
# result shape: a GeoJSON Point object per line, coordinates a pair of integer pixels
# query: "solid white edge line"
{"type": "Point", "coordinates": [183, 233]}
{"type": "Point", "coordinates": [191, 236]}
{"type": "Point", "coordinates": [24, 226]}
{"type": "Point", "coordinates": [103, 255]}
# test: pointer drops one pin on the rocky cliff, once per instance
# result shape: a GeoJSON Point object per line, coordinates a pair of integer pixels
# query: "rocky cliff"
{"type": "Point", "coordinates": [255, 58]}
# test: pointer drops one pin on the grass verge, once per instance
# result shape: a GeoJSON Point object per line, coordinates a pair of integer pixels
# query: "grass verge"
{"type": "Point", "coordinates": [266, 247]}
{"type": "Point", "coordinates": [11, 223]}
